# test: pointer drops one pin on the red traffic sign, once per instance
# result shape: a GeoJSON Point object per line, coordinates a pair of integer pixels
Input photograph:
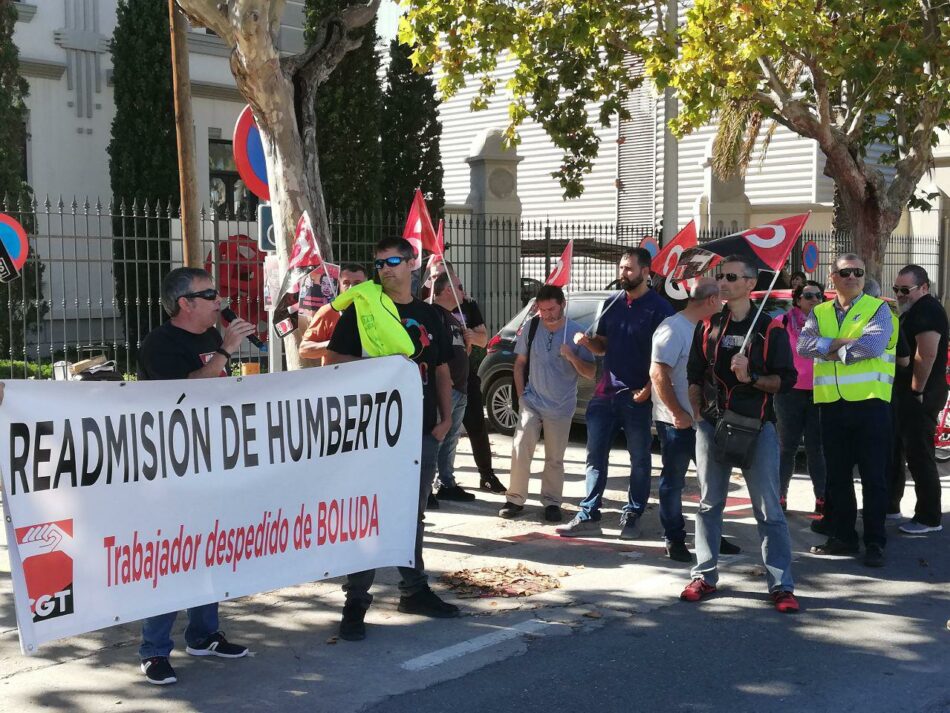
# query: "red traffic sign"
{"type": "Point", "coordinates": [249, 155]}
{"type": "Point", "coordinates": [810, 256]}
{"type": "Point", "coordinates": [651, 245]}
{"type": "Point", "coordinates": [14, 248]}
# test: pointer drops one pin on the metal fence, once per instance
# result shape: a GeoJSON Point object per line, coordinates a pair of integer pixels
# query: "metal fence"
{"type": "Point", "coordinates": [91, 285]}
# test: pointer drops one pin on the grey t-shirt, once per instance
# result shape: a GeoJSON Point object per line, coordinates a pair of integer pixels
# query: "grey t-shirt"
{"type": "Point", "coordinates": [552, 384]}
{"type": "Point", "coordinates": [671, 344]}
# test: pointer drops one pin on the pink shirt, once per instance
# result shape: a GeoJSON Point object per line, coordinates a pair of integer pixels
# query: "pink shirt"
{"type": "Point", "coordinates": [793, 322]}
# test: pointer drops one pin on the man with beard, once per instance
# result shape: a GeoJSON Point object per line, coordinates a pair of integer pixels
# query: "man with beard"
{"type": "Point", "coordinates": [547, 397]}
{"type": "Point", "coordinates": [920, 392]}
{"type": "Point", "coordinates": [622, 397]}
{"type": "Point", "coordinates": [430, 351]}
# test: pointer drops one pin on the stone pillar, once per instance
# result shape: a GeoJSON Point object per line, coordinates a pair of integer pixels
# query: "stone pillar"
{"type": "Point", "coordinates": [493, 249]}
{"type": "Point", "coordinates": [723, 206]}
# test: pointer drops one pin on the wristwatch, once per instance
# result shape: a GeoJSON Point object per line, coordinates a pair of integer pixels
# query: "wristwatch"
{"type": "Point", "coordinates": [222, 352]}
{"type": "Point", "coordinates": [753, 377]}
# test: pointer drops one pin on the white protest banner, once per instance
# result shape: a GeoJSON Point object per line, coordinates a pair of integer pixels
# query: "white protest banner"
{"type": "Point", "coordinates": [126, 500]}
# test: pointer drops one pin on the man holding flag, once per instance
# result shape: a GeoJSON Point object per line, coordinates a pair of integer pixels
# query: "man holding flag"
{"type": "Point", "coordinates": [622, 397]}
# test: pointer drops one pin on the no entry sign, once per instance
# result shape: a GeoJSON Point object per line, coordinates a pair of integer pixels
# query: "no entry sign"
{"type": "Point", "coordinates": [13, 248]}
{"type": "Point", "coordinates": [249, 155]}
{"type": "Point", "coordinates": [651, 245]}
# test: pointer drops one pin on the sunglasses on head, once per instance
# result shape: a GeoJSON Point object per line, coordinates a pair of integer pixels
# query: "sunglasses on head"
{"type": "Point", "coordinates": [392, 261]}
{"type": "Point", "coordinates": [848, 271]}
{"type": "Point", "coordinates": [731, 277]}
{"type": "Point", "coordinates": [812, 295]}
{"type": "Point", "coordinates": [209, 294]}
{"type": "Point", "coordinates": [898, 290]}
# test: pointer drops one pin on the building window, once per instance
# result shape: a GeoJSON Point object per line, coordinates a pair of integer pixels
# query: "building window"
{"type": "Point", "coordinates": [229, 196]}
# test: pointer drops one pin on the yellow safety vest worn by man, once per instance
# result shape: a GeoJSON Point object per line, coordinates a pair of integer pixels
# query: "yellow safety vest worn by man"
{"type": "Point", "coordinates": [377, 318]}
{"type": "Point", "coordinates": [862, 379]}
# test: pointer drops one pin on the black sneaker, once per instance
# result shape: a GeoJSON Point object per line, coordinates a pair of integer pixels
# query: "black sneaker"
{"type": "Point", "coordinates": [873, 556]}
{"type": "Point", "coordinates": [835, 547]}
{"type": "Point", "coordinates": [352, 627]}
{"type": "Point", "coordinates": [552, 513]}
{"type": "Point", "coordinates": [217, 645]}
{"type": "Point", "coordinates": [510, 510]}
{"type": "Point", "coordinates": [728, 548]}
{"type": "Point", "coordinates": [491, 483]}
{"type": "Point", "coordinates": [157, 670]}
{"type": "Point", "coordinates": [432, 503]}
{"type": "Point", "coordinates": [677, 551]}
{"type": "Point", "coordinates": [427, 603]}
{"type": "Point", "coordinates": [455, 492]}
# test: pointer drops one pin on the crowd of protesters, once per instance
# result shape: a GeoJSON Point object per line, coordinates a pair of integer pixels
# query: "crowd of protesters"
{"type": "Point", "coordinates": [724, 384]}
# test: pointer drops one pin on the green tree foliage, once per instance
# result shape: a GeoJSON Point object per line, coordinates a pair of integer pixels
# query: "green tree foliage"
{"type": "Point", "coordinates": [143, 163]}
{"type": "Point", "coordinates": [570, 55]}
{"type": "Point", "coordinates": [410, 135]}
{"type": "Point", "coordinates": [847, 75]}
{"type": "Point", "coordinates": [22, 306]}
{"type": "Point", "coordinates": [348, 107]}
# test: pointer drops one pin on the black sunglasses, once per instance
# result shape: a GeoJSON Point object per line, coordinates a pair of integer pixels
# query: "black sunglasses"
{"type": "Point", "coordinates": [812, 295]}
{"type": "Point", "coordinates": [731, 277]}
{"type": "Point", "coordinates": [904, 290]}
{"type": "Point", "coordinates": [209, 294]}
{"type": "Point", "coordinates": [848, 271]}
{"type": "Point", "coordinates": [392, 261]}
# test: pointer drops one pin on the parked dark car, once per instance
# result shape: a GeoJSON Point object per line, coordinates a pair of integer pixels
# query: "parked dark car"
{"type": "Point", "coordinates": [497, 368]}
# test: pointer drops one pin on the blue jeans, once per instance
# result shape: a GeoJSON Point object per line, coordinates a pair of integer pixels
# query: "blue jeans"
{"type": "Point", "coordinates": [605, 418]}
{"type": "Point", "coordinates": [677, 449]}
{"type": "Point", "coordinates": [798, 414]}
{"type": "Point", "coordinates": [414, 579]}
{"type": "Point", "coordinates": [446, 458]}
{"type": "Point", "coordinates": [157, 630]}
{"type": "Point", "coordinates": [762, 481]}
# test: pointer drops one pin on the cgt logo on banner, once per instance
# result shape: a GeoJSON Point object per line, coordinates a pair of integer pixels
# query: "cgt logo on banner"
{"type": "Point", "coordinates": [47, 568]}
{"type": "Point", "coordinates": [126, 500]}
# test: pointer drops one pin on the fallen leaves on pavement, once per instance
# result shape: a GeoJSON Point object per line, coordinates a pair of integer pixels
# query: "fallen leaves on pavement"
{"type": "Point", "coordinates": [499, 581]}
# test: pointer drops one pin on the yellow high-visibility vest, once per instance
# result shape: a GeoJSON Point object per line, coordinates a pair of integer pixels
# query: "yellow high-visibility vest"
{"type": "Point", "coordinates": [377, 318]}
{"type": "Point", "coordinates": [864, 379]}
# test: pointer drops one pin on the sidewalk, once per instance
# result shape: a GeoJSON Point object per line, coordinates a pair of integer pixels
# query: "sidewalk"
{"type": "Point", "coordinates": [298, 663]}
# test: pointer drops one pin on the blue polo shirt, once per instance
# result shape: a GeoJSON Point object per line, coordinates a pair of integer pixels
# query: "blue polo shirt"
{"type": "Point", "coordinates": [629, 326]}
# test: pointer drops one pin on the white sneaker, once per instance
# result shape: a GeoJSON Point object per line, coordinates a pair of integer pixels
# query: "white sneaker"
{"type": "Point", "coordinates": [912, 527]}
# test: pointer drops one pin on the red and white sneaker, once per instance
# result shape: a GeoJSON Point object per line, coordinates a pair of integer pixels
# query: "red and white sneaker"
{"type": "Point", "coordinates": [785, 602]}
{"type": "Point", "coordinates": [696, 590]}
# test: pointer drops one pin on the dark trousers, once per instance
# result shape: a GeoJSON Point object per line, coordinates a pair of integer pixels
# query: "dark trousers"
{"type": "Point", "coordinates": [856, 433]}
{"type": "Point", "coordinates": [477, 428]}
{"type": "Point", "coordinates": [414, 579]}
{"type": "Point", "coordinates": [914, 444]}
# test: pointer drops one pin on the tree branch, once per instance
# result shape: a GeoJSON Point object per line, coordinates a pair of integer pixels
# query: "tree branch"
{"type": "Point", "coordinates": [212, 14]}
{"type": "Point", "coordinates": [778, 87]}
{"type": "Point", "coordinates": [356, 16]}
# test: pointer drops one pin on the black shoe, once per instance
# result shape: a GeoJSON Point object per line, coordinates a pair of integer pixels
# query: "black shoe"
{"type": "Point", "coordinates": [217, 645]}
{"type": "Point", "coordinates": [873, 556]}
{"type": "Point", "coordinates": [821, 526]}
{"type": "Point", "coordinates": [455, 492]}
{"type": "Point", "coordinates": [677, 551]}
{"type": "Point", "coordinates": [510, 510]}
{"type": "Point", "coordinates": [432, 503]}
{"type": "Point", "coordinates": [727, 548]}
{"type": "Point", "coordinates": [352, 627]}
{"type": "Point", "coordinates": [427, 603]}
{"type": "Point", "coordinates": [491, 483]}
{"type": "Point", "coordinates": [834, 546]}
{"type": "Point", "coordinates": [157, 670]}
{"type": "Point", "coordinates": [552, 513]}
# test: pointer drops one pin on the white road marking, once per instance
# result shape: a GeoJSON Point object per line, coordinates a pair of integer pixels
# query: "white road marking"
{"type": "Point", "coordinates": [440, 656]}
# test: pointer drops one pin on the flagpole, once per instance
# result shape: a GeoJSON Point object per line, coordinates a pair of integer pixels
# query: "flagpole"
{"type": "Point", "coordinates": [564, 341]}
{"type": "Point", "coordinates": [759, 311]}
{"type": "Point", "coordinates": [601, 312]}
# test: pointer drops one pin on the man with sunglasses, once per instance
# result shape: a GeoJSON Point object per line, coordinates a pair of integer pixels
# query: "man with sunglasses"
{"type": "Point", "coordinates": [920, 392]}
{"type": "Point", "coordinates": [853, 341]}
{"type": "Point", "coordinates": [731, 377]}
{"type": "Point", "coordinates": [187, 346]}
{"type": "Point", "coordinates": [432, 349]}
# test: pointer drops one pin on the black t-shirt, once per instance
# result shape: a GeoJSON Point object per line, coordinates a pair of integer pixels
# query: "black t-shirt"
{"type": "Point", "coordinates": [458, 361]}
{"type": "Point", "coordinates": [925, 315]}
{"type": "Point", "coordinates": [769, 354]}
{"type": "Point", "coordinates": [429, 337]}
{"type": "Point", "coordinates": [473, 319]}
{"type": "Point", "coordinates": [169, 352]}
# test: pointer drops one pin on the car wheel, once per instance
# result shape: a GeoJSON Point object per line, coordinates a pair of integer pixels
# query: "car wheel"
{"type": "Point", "coordinates": [501, 402]}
